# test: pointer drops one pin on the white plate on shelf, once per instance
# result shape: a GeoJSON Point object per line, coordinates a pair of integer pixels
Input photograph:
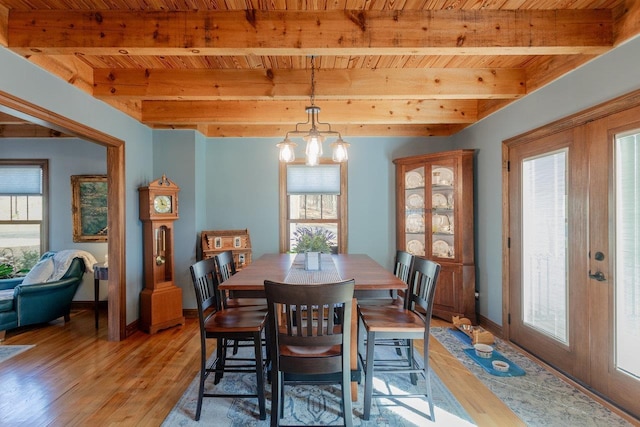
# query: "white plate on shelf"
{"type": "Point", "coordinates": [413, 179]}
{"type": "Point", "coordinates": [441, 249]}
{"type": "Point", "coordinates": [415, 223]}
{"type": "Point", "coordinates": [442, 176]}
{"type": "Point", "coordinates": [415, 247]}
{"type": "Point", "coordinates": [415, 201]}
{"type": "Point", "coordinates": [439, 200]}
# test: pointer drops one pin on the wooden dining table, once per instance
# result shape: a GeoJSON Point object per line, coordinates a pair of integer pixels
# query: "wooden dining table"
{"type": "Point", "coordinates": [371, 279]}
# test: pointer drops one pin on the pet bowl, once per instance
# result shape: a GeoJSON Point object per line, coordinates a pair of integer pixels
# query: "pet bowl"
{"type": "Point", "coordinates": [483, 350]}
{"type": "Point", "coordinates": [500, 366]}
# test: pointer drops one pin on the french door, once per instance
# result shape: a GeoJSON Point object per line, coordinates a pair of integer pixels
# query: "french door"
{"type": "Point", "coordinates": [574, 257]}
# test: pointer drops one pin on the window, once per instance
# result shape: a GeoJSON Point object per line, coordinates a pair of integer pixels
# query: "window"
{"type": "Point", "coordinates": [23, 201]}
{"type": "Point", "coordinates": [313, 199]}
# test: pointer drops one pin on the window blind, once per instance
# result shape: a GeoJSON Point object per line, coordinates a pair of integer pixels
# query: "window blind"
{"type": "Point", "coordinates": [320, 179]}
{"type": "Point", "coordinates": [20, 180]}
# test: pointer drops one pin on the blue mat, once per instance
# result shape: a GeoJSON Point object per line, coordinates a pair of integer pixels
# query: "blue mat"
{"type": "Point", "coordinates": [514, 370]}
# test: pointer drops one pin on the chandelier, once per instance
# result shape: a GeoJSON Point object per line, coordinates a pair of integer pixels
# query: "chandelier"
{"type": "Point", "coordinates": [313, 136]}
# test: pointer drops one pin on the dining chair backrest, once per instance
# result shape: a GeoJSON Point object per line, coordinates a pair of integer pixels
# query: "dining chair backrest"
{"type": "Point", "coordinates": [422, 287]}
{"type": "Point", "coordinates": [403, 266]}
{"type": "Point", "coordinates": [309, 326]}
{"type": "Point", "coordinates": [205, 283]}
{"type": "Point", "coordinates": [226, 265]}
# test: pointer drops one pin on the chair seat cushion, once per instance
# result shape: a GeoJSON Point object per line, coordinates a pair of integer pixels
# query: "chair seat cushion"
{"type": "Point", "coordinates": [236, 320]}
{"type": "Point", "coordinates": [389, 319]}
{"type": "Point", "coordinates": [6, 300]}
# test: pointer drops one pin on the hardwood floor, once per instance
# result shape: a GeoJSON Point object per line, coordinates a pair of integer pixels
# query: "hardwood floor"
{"type": "Point", "coordinates": [74, 376]}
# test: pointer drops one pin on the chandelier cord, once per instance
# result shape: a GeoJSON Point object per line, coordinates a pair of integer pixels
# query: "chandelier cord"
{"type": "Point", "coordinates": [313, 80]}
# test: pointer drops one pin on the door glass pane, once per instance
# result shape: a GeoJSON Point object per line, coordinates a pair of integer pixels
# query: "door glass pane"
{"type": "Point", "coordinates": [544, 244]}
{"type": "Point", "coordinates": [627, 282]}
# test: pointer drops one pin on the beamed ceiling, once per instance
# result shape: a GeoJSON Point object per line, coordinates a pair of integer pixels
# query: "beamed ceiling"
{"type": "Point", "coordinates": [242, 68]}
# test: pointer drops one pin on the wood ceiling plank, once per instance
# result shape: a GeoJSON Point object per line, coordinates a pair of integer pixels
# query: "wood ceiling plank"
{"type": "Point", "coordinates": [443, 32]}
{"type": "Point", "coordinates": [454, 83]}
{"type": "Point", "coordinates": [29, 131]}
{"type": "Point", "coordinates": [627, 21]}
{"type": "Point", "coordinates": [291, 112]}
{"type": "Point", "coordinates": [4, 26]}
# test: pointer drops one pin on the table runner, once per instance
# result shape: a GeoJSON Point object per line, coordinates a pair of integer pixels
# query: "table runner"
{"type": "Point", "coordinates": [327, 273]}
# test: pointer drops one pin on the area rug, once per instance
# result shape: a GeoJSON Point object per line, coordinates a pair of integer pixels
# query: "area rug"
{"type": "Point", "coordinates": [539, 398]}
{"type": "Point", "coordinates": [319, 405]}
{"type": "Point", "coordinates": [8, 351]}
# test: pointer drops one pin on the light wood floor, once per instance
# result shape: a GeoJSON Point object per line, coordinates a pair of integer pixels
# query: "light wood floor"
{"type": "Point", "coordinates": [74, 376]}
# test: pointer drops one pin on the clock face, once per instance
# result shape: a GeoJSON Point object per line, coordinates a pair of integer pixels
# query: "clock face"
{"type": "Point", "coordinates": [162, 204]}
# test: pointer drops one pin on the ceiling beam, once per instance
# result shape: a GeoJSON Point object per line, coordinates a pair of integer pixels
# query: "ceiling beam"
{"type": "Point", "coordinates": [291, 112]}
{"type": "Point", "coordinates": [336, 32]}
{"type": "Point", "coordinates": [429, 83]}
{"type": "Point", "coordinates": [389, 130]}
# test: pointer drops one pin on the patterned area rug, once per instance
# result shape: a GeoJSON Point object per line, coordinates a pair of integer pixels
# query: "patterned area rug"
{"type": "Point", "coordinates": [319, 405]}
{"type": "Point", "coordinates": [8, 351]}
{"type": "Point", "coordinates": [539, 398]}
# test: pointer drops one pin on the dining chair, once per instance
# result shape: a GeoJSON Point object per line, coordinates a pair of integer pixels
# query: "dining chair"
{"type": "Point", "coordinates": [408, 323]}
{"type": "Point", "coordinates": [226, 325]}
{"type": "Point", "coordinates": [403, 263]}
{"type": "Point", "coordinates": [310, 336]}
{"type": "Point", "coordinates": [226, 267]}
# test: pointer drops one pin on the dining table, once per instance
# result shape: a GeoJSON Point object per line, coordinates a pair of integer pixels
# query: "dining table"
{"type": "Point", "coordinates": [371, 280]}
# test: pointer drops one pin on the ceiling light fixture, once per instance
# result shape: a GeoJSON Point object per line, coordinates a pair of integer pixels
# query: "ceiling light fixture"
{"type": "Point", "coordinates": [313, 136]}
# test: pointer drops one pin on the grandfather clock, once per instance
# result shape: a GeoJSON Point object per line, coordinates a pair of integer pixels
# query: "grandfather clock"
{"type": "Point", "coordinates": [161, 299]}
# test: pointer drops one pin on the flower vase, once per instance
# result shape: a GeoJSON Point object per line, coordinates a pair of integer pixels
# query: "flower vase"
{"type": "Point", "coordinates": [312, 260]}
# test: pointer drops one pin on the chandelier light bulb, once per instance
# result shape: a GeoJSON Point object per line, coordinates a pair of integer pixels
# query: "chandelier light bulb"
{"type": "Point", "coordinates": [314, 144]}
{"type": "Point", "coordinates": [340, 153]}
{"type": "Point", "coordinates": [287, 150]}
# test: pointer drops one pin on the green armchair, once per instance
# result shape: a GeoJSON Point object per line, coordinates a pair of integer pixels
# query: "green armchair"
{"type": "Point", "coordinates": [27, 304]}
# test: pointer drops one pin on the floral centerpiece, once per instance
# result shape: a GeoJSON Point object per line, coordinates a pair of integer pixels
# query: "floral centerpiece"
{"type": "Point", "coordinates": [313, 239]}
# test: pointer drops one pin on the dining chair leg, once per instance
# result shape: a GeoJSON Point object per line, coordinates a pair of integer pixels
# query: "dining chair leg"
{"type": "Point", "coordinates": [221, 352]}
{"type": "Point", "coordinates": [257, 345]}
{"type": "Point", "coordinates": [412, 362]}
{"type": "Point", "coordinates": [368, 376]}
{"type": "Point", "coordinates": [427, 378]}
{"type": "Point", "coordinates": [276, 398]}
{"type": "Point", "coordinates": [203, 377]}
{"type": "Point", "coordinates": [347, 413]}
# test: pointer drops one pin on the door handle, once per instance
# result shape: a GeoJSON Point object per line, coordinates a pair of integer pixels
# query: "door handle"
{"type": "Point", "coordinates": [598, 275]}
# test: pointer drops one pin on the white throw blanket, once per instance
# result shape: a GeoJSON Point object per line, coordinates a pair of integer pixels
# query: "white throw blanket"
{"type": "Point", "coordinates": [62, 261]}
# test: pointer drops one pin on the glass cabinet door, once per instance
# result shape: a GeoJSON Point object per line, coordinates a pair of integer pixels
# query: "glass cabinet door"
{"type": "Point", "coordinates": [414, 202]}
{"type": "Point", "coordinates": [442, 211]}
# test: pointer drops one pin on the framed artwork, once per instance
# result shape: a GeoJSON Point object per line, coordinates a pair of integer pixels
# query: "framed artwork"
{"type": "Point", "coordinates": [89, 208]}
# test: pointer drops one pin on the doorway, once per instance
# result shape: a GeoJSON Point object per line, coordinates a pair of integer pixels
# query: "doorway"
{"type": "Point", "coordinates": [573, 276]}
{"type": "Point", "coordinates": [116, 194]}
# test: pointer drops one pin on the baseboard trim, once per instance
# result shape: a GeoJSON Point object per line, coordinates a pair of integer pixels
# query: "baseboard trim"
{"type": "Point", "coordinates": [132, 328]}
{"type": "Point", "coordinates": [490, 326]}
{"type": "Point", "coordinates": [190, 313]}
{"type": "Point", "coordinates": [88, 305]}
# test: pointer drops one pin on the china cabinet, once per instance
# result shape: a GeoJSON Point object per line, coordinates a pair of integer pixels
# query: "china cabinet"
{"type": "Point", "coordinates": [434, 215]}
